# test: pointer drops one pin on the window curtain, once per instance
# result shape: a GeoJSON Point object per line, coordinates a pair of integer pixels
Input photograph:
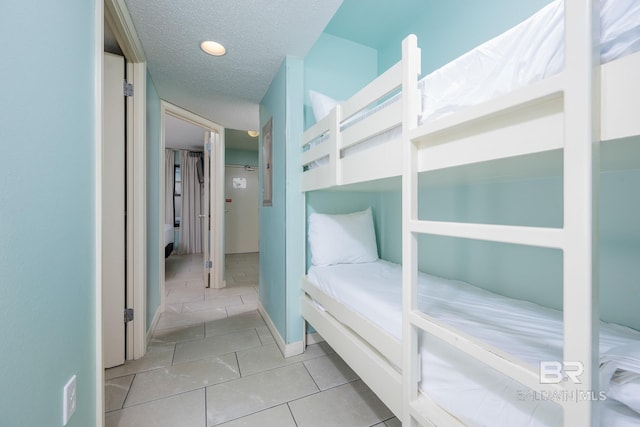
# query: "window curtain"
{"type": "Point", "coordinates": [169, 163]}
{"type": "Point", "coordinates": [192, 193]}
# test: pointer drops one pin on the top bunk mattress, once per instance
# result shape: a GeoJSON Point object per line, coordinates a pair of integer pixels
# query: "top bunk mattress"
{"type": "Point", "coordinates": [527, 53]}
{"type": "Point", "coordinates": [462, 385]}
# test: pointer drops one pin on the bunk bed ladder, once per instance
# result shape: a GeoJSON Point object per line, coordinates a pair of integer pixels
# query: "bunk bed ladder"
{"type": "Point", "coordinates": [577, 239]}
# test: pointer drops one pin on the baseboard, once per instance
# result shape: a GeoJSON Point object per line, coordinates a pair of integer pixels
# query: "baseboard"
{"type": "Point", "coordinates": [154, 323]}
{"type": "Point", "coordinates": [287, 350]}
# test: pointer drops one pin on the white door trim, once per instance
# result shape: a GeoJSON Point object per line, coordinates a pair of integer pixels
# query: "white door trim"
{"type": "Point", "coordinates": [116, 14]}
{"type": "Point", "coordinates": [217, 159]}
{"type": "Point", "coordinates": [97, 167]}
{"type": "Point", "coordinates": [118, 18]}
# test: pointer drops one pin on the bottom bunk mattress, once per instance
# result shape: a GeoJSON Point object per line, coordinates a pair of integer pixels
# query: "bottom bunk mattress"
{"type": "Point", "coordinates": [467, 388]}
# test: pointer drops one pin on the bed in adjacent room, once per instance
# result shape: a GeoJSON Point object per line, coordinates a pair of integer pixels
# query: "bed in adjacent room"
{"type": "Point", "coordinates": [168, 239]}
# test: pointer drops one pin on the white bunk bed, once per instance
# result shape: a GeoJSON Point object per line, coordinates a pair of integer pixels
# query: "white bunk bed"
{"type": "Point", "coordinates": [564, 113]}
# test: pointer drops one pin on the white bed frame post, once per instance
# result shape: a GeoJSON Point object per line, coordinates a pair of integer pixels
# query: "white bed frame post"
{"type": "Point", "coordinates": [410, 108]}
{"type": "Point", "coordinates": [336, 144]}
{"type": "Point", "coordinates": [581, 175]}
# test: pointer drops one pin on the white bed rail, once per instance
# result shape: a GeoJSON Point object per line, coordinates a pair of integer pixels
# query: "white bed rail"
{"type": "Point", "coordinates": [335, 150]}
{"type": "Point", "coordinates": [576, 91]}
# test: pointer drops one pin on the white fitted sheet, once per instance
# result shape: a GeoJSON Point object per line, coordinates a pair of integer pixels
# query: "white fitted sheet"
{"type": "Point", "coordinates": [464, 386]}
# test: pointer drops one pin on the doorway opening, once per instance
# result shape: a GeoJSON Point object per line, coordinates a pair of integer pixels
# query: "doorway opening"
{"type": "Point", "coordinates": [191, 205]}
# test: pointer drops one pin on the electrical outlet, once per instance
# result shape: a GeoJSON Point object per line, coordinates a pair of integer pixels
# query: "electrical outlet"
{"type": "Point", "coordinates": [68, 400]}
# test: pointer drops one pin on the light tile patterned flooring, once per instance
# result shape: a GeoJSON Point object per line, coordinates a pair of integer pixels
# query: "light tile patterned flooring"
{"type": "Point", "coordinates": [213, 362]}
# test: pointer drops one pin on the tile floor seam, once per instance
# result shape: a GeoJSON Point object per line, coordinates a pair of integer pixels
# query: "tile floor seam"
{"type": "Point", "coordinates": [238, 363]}
{"type": "Point", "coordinates": [159, 398]}
{"type": "Point", "coordinates": [293, 417]}
{"type": "Point", "coordinates": [261, 410]}
{"type": "Point", "coordinates": [308, 372]}
{"type": "Point", "coordinates": [276, 368]}
{"type": "Point", "coordinates": [173, 356]}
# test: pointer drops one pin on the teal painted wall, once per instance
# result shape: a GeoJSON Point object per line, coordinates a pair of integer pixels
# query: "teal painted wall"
{"type": "Point", "coordinates": [47, 241]}
{"type": "Point", "coordinates": [447, 29]}
{"type": "Point", "coordinates": [522, 272]}
{"type": "Point", "coordinates": [155, 241]}
{"type": "Point", "coordinates": [241, 157]}
{"type": "Point", "coordinates": [272, 286]}
{"type": "Point", "coordinates": [281, 225]}
{"type": "Point", "coordinates": [295, 198]}
{"type": "Point", "coordinates": [337, 68]}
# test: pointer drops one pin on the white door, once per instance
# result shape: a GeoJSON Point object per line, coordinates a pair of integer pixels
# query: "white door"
{"type": "Point", "coordinates": [113, 212]}
{"type": "Point", "coordinates": [241, 209]}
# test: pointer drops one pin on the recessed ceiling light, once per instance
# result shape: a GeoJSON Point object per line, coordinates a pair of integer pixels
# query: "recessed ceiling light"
{"type": "Point", "coordinates": [213, 48]}
{"type": "Point", "coordinates": [253, 133]}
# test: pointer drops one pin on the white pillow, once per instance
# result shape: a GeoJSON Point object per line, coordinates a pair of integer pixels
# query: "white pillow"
{"type": "Point", "coordinates": [321, 104]}
{"type": "Point", "coordinates": [342, 239]}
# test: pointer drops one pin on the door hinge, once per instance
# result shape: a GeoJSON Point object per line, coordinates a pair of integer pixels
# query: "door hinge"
{"type": "Point", "coordinates": [208, 264]}
{"type": "Point", "coordinates": [207, 147]}
{"type": "Point", "coordinates": [128, 315]}
{"type": "Point", "coordinates": [128, 89]}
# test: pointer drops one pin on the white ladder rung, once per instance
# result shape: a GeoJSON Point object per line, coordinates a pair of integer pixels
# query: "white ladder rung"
{"type": "Point", "coordinates": [532, 236]}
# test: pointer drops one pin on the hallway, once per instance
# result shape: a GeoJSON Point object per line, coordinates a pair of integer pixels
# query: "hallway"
{"type": "Point", "coordinates": [212, 361]}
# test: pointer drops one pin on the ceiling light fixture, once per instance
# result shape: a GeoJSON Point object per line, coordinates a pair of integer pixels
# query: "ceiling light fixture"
{"type": "Point", "coordinates": [253, 133]}
{"type": "Point", "coordinates": [213, 48]}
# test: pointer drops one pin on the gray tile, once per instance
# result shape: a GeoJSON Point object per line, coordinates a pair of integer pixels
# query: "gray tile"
{"type": "Point", "coordinates": [238, 322]}
{"type": "Point", "coordinates": [234, 289]}
{"type": "Point", "coordinates": [212, 303]}
{"type": "Point", "coordinates": [115, 391]}
{"type": "Point", "coordinates": [265, 335]}
{"type": "Point", "coordinates": [180, 334]}
{"type": "Point", "coordinates": [330, 371]}
{"type": "Point", "coordinates": [260, 359]}
{"type": "Point", "coordinates": [175, 320]}
{"type": "Point", "coordinates": [248, 395]}
{"type": "Point", "coordinates": [393, 422]}
{"type": "Point", "coordinates": [151, 360]}
{"type": "Point", "coordinates": [179, 296]}
{"type": "Point", "coordinates": [250, 298]}
{"type": "Point", "coordinates": [351, 405]}
{"type": "Point", "coordinates": [172, 380]}
{"type": "Point", "coordinates": [243, 308]}
{"type": "Point", "coordinates": [213, 346]}
{"type": "Point", "coordinates": [280, 416]}
{"type": "Point", "coordinates": [184, 410]}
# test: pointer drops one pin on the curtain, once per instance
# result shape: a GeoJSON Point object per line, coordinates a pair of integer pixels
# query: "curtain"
{"type": "Point", "coordinates": [169, 163]}
{"type": "Point", "coordinates": [192, 191]}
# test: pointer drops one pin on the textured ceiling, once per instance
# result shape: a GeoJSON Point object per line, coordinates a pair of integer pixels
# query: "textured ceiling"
{"type": "Point", "coordinates": [258, 35]}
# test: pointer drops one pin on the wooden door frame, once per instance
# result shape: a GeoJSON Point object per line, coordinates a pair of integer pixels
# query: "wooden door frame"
{"type": "Point", "coordinates": [117, 16]}
{"type": "Point", "coordinates": [217, 189]}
